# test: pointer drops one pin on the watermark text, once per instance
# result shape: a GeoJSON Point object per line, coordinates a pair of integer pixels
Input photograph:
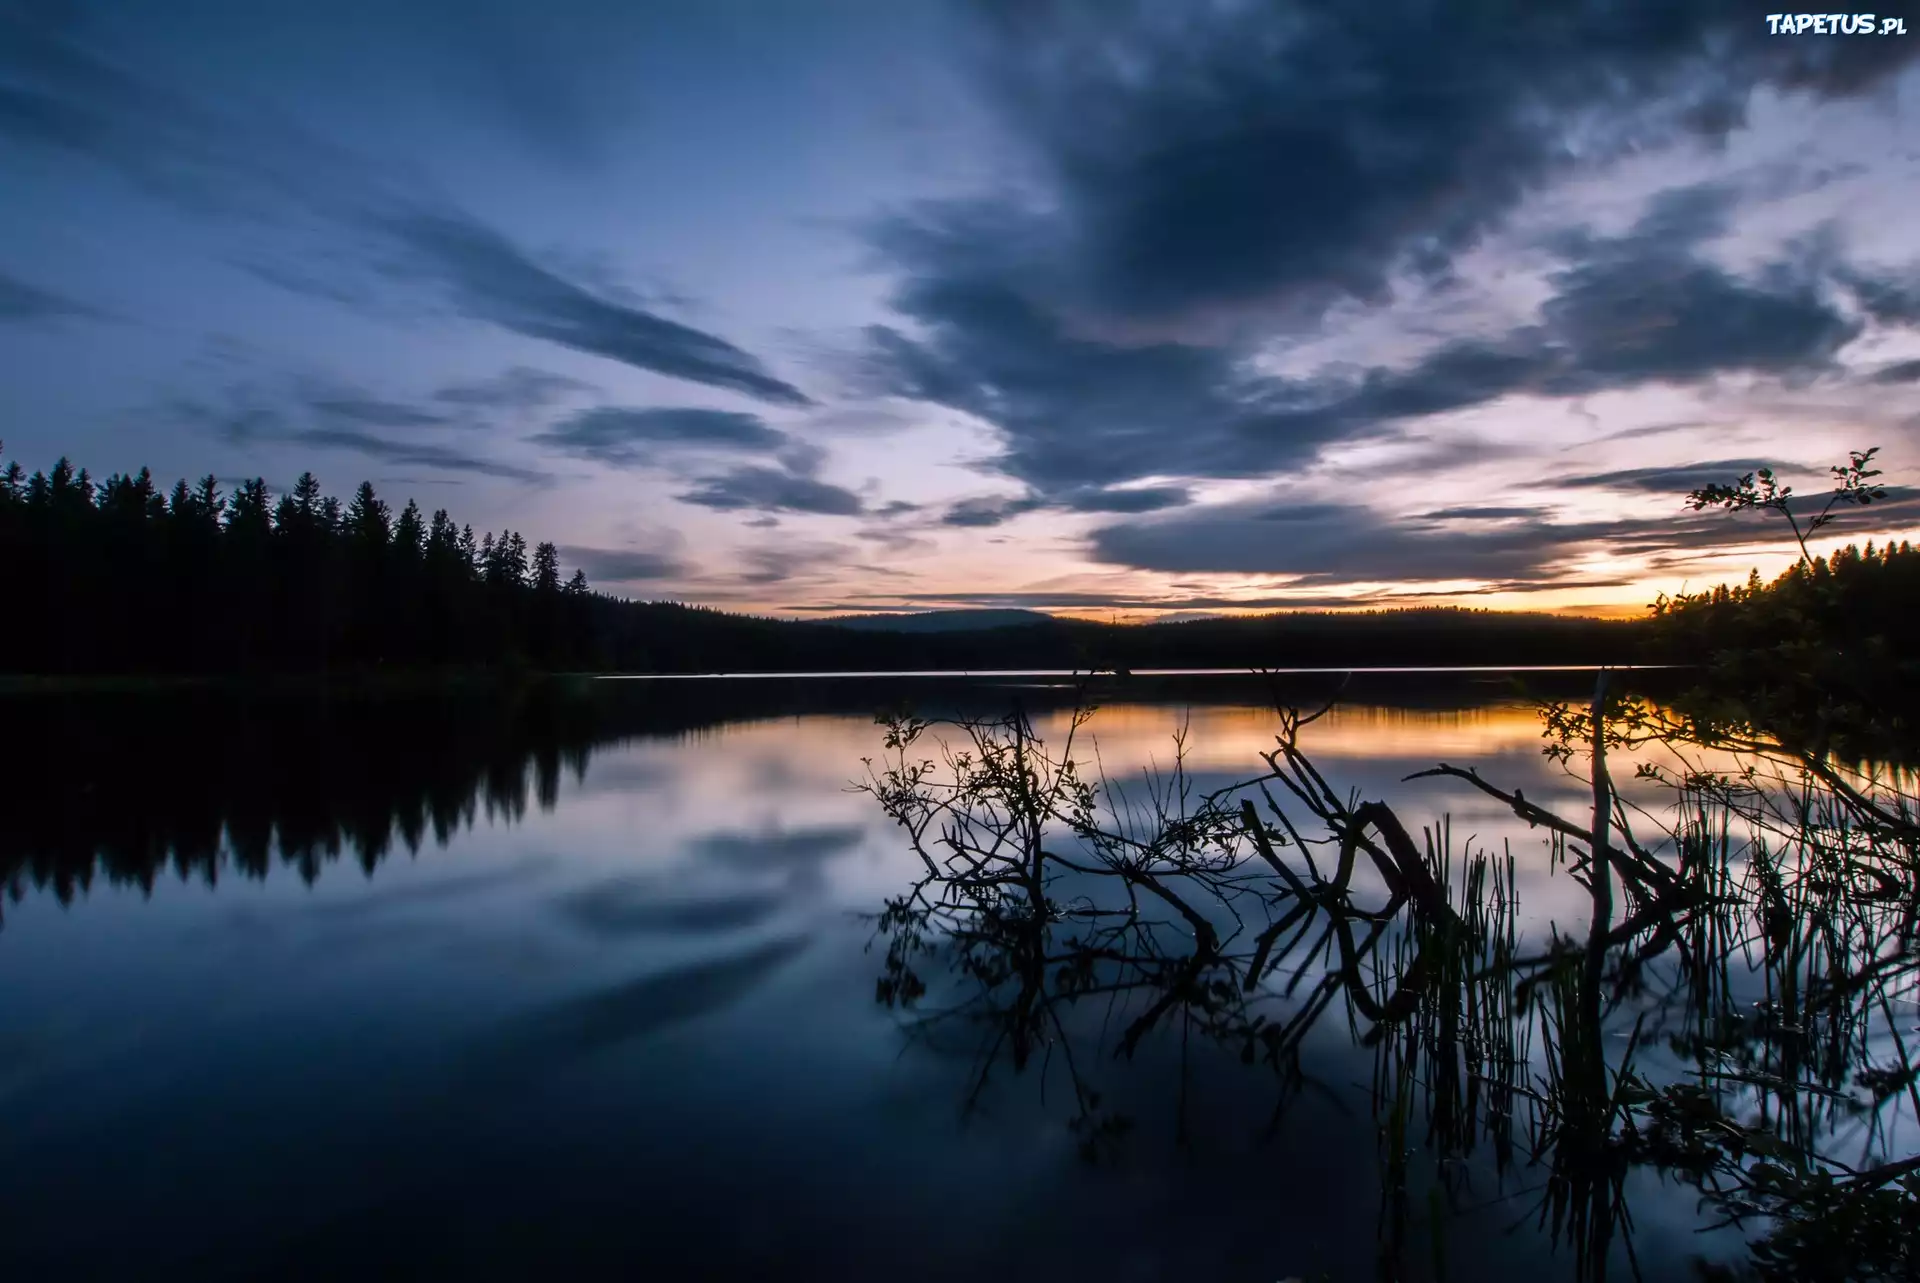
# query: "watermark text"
{"type": "Point", "coordinates": [1834, 24]}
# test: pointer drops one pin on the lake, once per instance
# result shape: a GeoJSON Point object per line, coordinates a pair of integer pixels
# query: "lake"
{"type": "Point", "coordinates": [581, 982]}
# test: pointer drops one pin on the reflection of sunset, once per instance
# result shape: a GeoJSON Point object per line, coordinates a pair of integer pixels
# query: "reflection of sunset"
{"type": "Point", "coordinates": [1233, 738]}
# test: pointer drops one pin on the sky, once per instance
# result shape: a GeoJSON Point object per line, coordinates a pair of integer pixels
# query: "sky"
{"type": "Point", "coordinates": [1127, 310]}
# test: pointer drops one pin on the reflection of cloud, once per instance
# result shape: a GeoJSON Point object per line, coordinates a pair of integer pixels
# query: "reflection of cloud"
{"type": "Point", "coordinates": [798, 851]}
{"type": "Point", "coordinates": [596, 1021]}
{"type": "Point", "coordinates": [628, 906]}
{"type": "Point", "coordinates": [458, 886]}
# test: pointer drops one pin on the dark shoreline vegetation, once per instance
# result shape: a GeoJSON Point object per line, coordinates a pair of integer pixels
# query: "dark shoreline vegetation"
{"type": "Point", "coordinates": [117, 580]}
{"type": "Point", "coordinates": [120, 579]}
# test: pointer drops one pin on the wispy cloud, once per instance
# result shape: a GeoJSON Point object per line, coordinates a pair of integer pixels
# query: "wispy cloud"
{"type": "Point", "coordinates": [21, 302]}
{"type": "Point", "coordinates": [417, 453]}
{"type": "Point", "coordinates": [624, 438]}
{"type": "Point", "coordinates": [756, 488]}
{"type": "Point", "coordinates": [65, 97]}
{"type": "Point", "coordinates": [519, 389]}
{"type": "Point", "coordinates": [624, 565]}
{"type": "Point", "coordinates": [489, 277]}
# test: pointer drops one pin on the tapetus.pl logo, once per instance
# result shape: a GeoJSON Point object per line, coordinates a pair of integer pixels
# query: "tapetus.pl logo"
{"type": "Point", "coordinates": [1834, 24]}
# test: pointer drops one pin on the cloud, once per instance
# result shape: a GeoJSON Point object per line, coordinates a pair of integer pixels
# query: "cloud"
{"type": "Point", "coordinates": [1331, 543]}
{"type": "Point", "coordinates": [981, 513]}
{"type": "Point", "coordinates": [59, 95]}
{"type": "Point", "coordinates": [626, 438]}
{"type": "Point", "coordinates": [1135, 499]}
{"type": "Point", "coordinates": [374, 413]}
{"type": "Point", "coordinates": [1199, 156]}
{"type": "Point", "coordinates": [491, 278]}
{"type": "Point", "coordinates": [20, 301]}
{"type": "Point", "coordinates": [756, 567]}
{"type": "Point", "coordinates": [1892, 298]}
{"type": "Point", "coordinates": [986, 512]}
{"type": "Point", "coordinates": [1903, 372]}
{"type": "Point", "coordinates": [623, 565]}
{"type": "Point", "coordinates": [1481, 513]}
{"type": "Point", "coordinates": [1078, 415]}
{"type": "Point", "coordinates": [1042, 599]}
{"type": "Point", "coordinates": [414, 452]}
{"type": "Point", "coordinates": [1678, 479]}
{"type": "Point", "coordinates": [520, 389]}
{"type": "Point", "coordinates": [772, 490]}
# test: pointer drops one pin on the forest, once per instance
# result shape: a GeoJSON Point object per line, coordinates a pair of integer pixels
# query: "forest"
{"type": "Point", "coordinates": [123, 577]}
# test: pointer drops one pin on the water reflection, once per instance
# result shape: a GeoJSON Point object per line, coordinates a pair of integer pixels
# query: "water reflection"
{"type": "Point", "coordinates": [125, 788]}
{"type": "Point", "coordinates": [624, 1023]}
{"type": "Point", "coordinates": [1732, 1030]}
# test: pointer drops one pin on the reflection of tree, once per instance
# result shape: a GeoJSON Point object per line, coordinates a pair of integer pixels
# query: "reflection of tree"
{"type": "Point", "coordinates": [124, 787]}
{"type": "Point", "coordinates": [1727, 1017]}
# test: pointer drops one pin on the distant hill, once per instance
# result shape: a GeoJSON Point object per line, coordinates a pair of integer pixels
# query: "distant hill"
{"type": "Point", "coordinates": [940, 621]}
{"type": "Point", "coordinates": [662, 637]}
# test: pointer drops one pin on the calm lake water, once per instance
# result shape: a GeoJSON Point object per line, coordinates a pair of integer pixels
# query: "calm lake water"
{"type": "Point", "coordinates": [578, 985]}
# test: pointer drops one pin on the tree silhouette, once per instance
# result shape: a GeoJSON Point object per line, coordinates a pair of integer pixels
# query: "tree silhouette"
{"type": "Point", "coordinates": [122, 577]}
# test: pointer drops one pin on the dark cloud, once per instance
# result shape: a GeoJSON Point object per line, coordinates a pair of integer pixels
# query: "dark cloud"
{"type": "Point", "coordinates": [1252, 155]}
{"type": "Point", "coordinates": [1646, 308]}
{"type": "Point", "coordinates": [1336, 543]}
{"type": "Point", "coordinates": [1903, 372]}
{"type": "Point", "coordinates": [20, 301]}
{"type": "Point", "coordinates": [520, 389]}
{"type": "Point", "coordinates": [1135, 499]}
{"type": "Point", "coordinates": [414, 452]}
{"type": "Point", "coordinates": [1331, 543]}
{"type": "Point", "coordinates": [491, 278]}
{"type": "Point", "coordinates": [1675, 480]}
{"type": "Point", "coordinates": [374, 413]}
{"type": "Point", "coordinates": [1892, 298]}
{"type": "Point", "coordinates": [627, 438]}
{"type": "Point", "coordinates": [1489, 513]}
{"type": "Point", "coordinates": [980, 513]}
{"type": "Point", "coordinates": [623, 565]}
{"type": "Point", "coordinates": [1200, 155]}
{"type": "Point", "coordinates": [1037, 599]}
{"type": "Point", "coordinates": [985, 512]}
{"type": "Point", "coordinates": [772, 490]}
{"type": "Point", "coordinates": [1080, 414]}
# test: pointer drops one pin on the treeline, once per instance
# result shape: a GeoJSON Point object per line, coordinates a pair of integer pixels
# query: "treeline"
{"type": "Point", "coordinates": [1854, 599]}
{"type": "Point", "coordinates": [119, 576]}
{"type": "Point", "coordinates": [1826, 649]}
